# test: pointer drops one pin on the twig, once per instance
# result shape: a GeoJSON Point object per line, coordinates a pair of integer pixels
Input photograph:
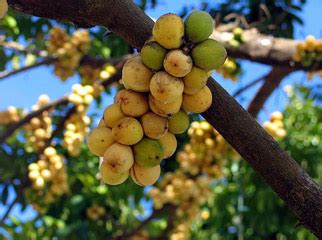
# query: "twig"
{"type": "Point", "coordinates": [249, 85]}
{"type": "Point", "coordinates": [9, 209]}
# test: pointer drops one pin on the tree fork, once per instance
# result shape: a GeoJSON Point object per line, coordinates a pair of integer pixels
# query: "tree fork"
{"type": "Point", "coordinates": [261, 151]}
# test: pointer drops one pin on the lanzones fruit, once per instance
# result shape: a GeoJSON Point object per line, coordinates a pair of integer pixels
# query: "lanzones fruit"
{"type": "Point", "coordinates": [163, 83]}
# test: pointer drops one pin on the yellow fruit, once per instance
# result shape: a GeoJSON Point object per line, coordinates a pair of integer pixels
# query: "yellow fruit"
{"type": "Point", "coordinates": [209, 54]}
{"type": "Point", "coordinates": [127, 131]}
{"type": "Point", "coordinates": [177, 63]}
{"type": "Point", "coordinates": [179, 122]}
{"type": "Point", "coordinates": [195, 80]}
{"type": "Point", "coordinates": [166, 88]}
{"type": "Point", "coordinates": [99, 140]}
{"type": "Point", "coordinates": [154, 126]}
{"type": "Point", "coordinates": [199, 26]}
{"type": "Point", "coordinates": [165, 109]}
{"type": "Point", "coordinates": [148, 152]}
{"type": "Point", "coordinates": [169, 143]}
{"type": "Point", "coordinates": [198, 102]}
{"type": "Point", "coordinates": [276, 116]}
{"type": "Point", "coordinates": [101, 123]}
{"type": "Point", "coordinates": [110, 177]}
{"type": "Point", "coordinates": [152, 55]}
{"type": "Point", "coordinates": [132, 103]}
{"type": "Point", "coordinates": [39, 184]}
{"type": "Point", "coordinates": [112, 114]}
{"type": "Point", "coordinates": [3, 8]}
{"type": "Point", "coordinates": [118, 157]}
{"type": "Point", "coordinates": [145, 176]}
{"type": "Point", "coordinates": [46, 174]}
{"type": "Point", "coordinates": [168, 31]}
{"type": "Point", "coordinates": [50, 151]}
{"type": "Point", "coordinates": [136, 76]}
{"type": "Point", "coordinates": [33, 175]}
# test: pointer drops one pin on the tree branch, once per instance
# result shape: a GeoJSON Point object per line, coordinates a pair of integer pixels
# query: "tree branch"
{"type": "Point", "coordinates": [249, 85]}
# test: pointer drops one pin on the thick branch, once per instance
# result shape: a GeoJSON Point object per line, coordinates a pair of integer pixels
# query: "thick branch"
{"type": "Point", "coordinates": [272, 81]}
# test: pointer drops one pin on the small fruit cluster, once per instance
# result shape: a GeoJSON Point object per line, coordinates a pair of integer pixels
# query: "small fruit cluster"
{"type": "Point", "coordinates": [275, 127]}
{"type": "Point", "coordinates": [3, 8]}
{"type": "Point", "coordinates": [237, 38]}
{"type": "Point", "coordinates": [91, 74]}
{"type": "Point", "coordinates": [231, 69]}
{"type": "Point", "coordinates": [69, 50]}
{"type": "Point", "coordinates": [95, 212]}
{"type": "Point", "coordinates": [49, 179]}
{"type": "Point", "coordinates": [10, 116]}
{"type": "Point", "coordinates": [39, 129]}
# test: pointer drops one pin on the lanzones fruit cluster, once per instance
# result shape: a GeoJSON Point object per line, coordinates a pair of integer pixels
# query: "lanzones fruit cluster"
{"type": "Point", "coordinates": [163, 83]}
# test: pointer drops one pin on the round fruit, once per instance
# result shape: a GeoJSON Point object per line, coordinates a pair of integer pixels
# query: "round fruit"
{"type": "Point", "coordinates": [101, 123]}
{"type": "Point", "coordinates": [110, 177]}
{"type": "Point", "coordinates": [166, 88]}
{"type": "Point", "coordinates": [199, 26]}
{"type": "Point", "coordinates": [276, 116]}
{"type": "Point", "coordinates": [148, 152]}
{"type": "Point", "coordinates": [99, 140]}
{"type": "Point", "coordinates": [195, 80]}
{"type": "Point", "coordinates": [145, 176]}
{"type": "Point", "coordinates": [169, 143]}
{"type": "Point", "coordinates": [132, 103]}
{"type": "Point", "coordinates": [153, 125]}
{"type": "Point", "coordinates": [127, 131]}
{"type": "Point", "coordinates": [168, 31]}
{"type": "Point", "coordinates": [136, 76]}
{"type": "Point", "coordinates": [118, 157]}
{"type": "Point", "coordinates": [112, 113]}
{"type": "Point", "coordinates": [152, 55]}
{"type": "Point", "coordinates": [209, 54]}
{"type": "Point", "coordinates": [179, 122]}
{"type": "Point", "coordinates": [165, 109]}
{"type": "Point", "coordinates": [177, 63]}
{"type": "Point", "coordinates": [198, 102]}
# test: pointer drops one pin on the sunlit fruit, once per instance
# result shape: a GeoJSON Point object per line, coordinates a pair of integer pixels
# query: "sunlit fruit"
{"type": "Point", "coordinates": [177, 63]}
{"type": "Point", "coordinates": [99, 140]}
{"type": "Point", "coordinates": [112, 113]}
{"type": "Point", "coordinates": [127, 131]}
{"type": "Point", "coordinates": [145, 176]}
{"type": "Point", "coordinates": [165, 109]}
{"type": "Point", "coordinates": [133, 104]}
{"type": "Point", "coordinates": [198, 102]}
{"type": "Point", "coordinates": [119, 158]}
{"type": "Point", "coordinates": [110, 177]}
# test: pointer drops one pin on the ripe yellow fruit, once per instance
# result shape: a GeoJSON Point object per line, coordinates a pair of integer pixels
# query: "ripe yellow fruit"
{"type": "Point", "coordinates": [3, 8]}
{"type": "Point", "coordinates": [199, 26]}
{"type": "Point", "coordinates": [165, 109]}
{"type": "Point", "coordinates": [132, 103]}
{"type": "Point", "coordinates": [154, 126]}
{"type": "Point", "coordinates": [166, 88]}
{"type": "Point", "coordinates": [110, 177]}
{"type": "Point", "coordinates": [209, 54]}
{"type": "Point", "coordinates": [198, 102]}
{"type": "Point", "coordinates": [46, 174]}
{"type": "Point", "coordinates": [152, 55]}
{"type": "Point", "coordinates": [119, 158]}
{"type": "Point", "coordinates": [168, 31]}
{"type": "Point", "coordinates": [112, 114]}
{"type": "Point", "coordinates": [276, 116]}
{"type": "Point", "coordinates": [145, 176]}
{"type": "Point", "coordinates": [177, 63]}
{"type": "Point", "coordinates": [127, 131]}
{"type": "Point", "coordinates": [195, 80]}
{"type": "Point", "coordinates": [169, 143]}
{"type": "Point", "coordinates": [101, 123]}
{"type": "Point", "coordinates": [135, 75]}
{"type": "Point", "coordinates": [39, 184]}
{"type": "Point", "coordinates": [179, 122]}
{"type": "Point", "coordinates": [148, 152]}
{"type": "Point", "coordinates": [99, 140]}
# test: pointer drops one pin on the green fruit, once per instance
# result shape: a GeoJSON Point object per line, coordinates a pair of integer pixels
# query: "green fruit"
{"type": "Point", "coordinates": [195, 80]}
{"type": "Point", "coordinates": [238, 33]}
{"type": "Point", "coordinates": [209, 54]}
{"type": "Point", "coordinates": [234, 43]}
{"type": "Point", "coordinates": [199, 26]}
{"type": "Point", "coordinates": [148, 152]}
{"type": "Point", "coordinates": [152, 55]}
{"type": "Point", "coordinates": [179, 122]}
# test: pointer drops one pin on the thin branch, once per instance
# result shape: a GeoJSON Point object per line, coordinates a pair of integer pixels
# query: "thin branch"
{"type": "Point", "coordinates": [249, 85]}
{"type": "Point", "coordinates": [10, 207]}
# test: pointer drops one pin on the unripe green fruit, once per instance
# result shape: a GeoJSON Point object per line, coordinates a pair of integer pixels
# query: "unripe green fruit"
{"type": "Point", "coordinates": [145, 176]}
{"type": "Point", "coordinates": [153, 125]}
{"type": "Point", "coordinates": [234, 43]}
{"type": "Point", "coordinates": [209, 54]}
{"type": "Point", "coordinates": [195, 80]}
{"type": "Point", "coordinates": [148, 152]}
{"type": "Point", "coordinates": [165, 109]}
{"type": "Point", "coordinates": [110, 177]}
{"type": "Point", "coordinates": [99, 140]}
{"type": "Point", "coordinates": [177, 63]}
{"type": "Point", "coordinates": [135, 75]}
{"type": "Point", "coordinates": [169, 143]}
{"type": "Point", "coordinates": [237, 33]}
{"type": "Point", "coordinates": [179, 122]}
{"type": "Point", "coordinates": [168, 31]}
{"type": "Point", "coordinates": [133, 104]}
{"type": "Point", "coordinates": [127, 131]}
{"type": "Point", "coordinates": [198, 102]}
{"type": "Point", "coordinates": [199, 26]}
{"type": "Point", "coordinates": [152, 55]}
{"type": "Point", "coordinates": [112, 113]}
{"type": "Point", "coordinates": [166, 88]}
{"type": "Point", "coordinates": [119, 158]}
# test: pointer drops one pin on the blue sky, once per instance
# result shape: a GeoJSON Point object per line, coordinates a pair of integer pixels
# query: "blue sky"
{"type": "Point", "coordinates": [23, 90]}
